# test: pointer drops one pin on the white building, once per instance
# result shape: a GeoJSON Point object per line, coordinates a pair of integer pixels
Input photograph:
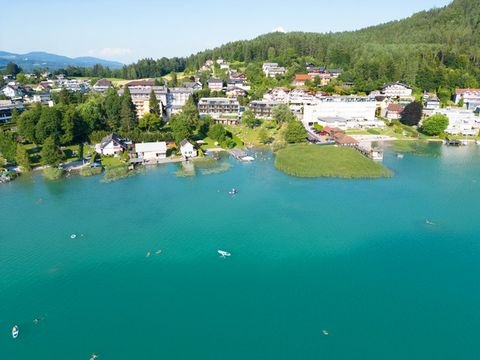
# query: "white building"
{"type": "Point", "coordinates": [102, 85]}
{"type": "Point", "coordinates": [12, 91]}
{"type": "Point", "coordinates": [215, 106]}
{"type": "Point", "coordinates": [460, 121]}
{"type": "Point", "coordinates": [42, 98]}
{"type": "Point", "coordinates": [111, 145]}
{"type": "Point", "coordinates": [187, 149]}
{"type": "Point", "coordinates": [470, 97]}
{"type": "Point", "coordinates": [397, 90]}
{"type": "Point", "coordinates": [6, 109]}
{"type": "Point", "coordinates": [273, 69]}
{"type": "Point", "coordinates": [141, 98]}
{"type": "Point", "coordinates": [344, 112]}
{"type": "Point", "coordinates": [277, 94]}
{"type": "Point", "coordinates": [151, 151]}
{"type": "Point", "coordinates": [179, 97]}
{"type": "Point", "coordinates": [215, 84]}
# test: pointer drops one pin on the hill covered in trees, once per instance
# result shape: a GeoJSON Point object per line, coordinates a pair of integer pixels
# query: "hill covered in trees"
{"type": "Point", "coordinates": [429, 50]}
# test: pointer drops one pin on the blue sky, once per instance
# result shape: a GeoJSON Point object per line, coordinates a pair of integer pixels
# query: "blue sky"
{"type": "Point", "coordinates": [127, 30]}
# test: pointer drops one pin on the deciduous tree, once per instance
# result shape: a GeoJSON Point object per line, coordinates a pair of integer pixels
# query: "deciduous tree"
{"type": "Point", "coordinates": [412, 114]}
{"type": "Point", "coordinates": [434, 125]}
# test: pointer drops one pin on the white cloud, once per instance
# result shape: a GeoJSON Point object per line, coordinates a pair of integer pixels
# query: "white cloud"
{"type": "Point", "coordinates": [279, 29]}
{"type": "Point", "coordinates": [111, 52]}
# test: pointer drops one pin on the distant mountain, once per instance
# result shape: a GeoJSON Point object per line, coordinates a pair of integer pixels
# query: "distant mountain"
{"type": "Point", "coordinates": [37, 59]}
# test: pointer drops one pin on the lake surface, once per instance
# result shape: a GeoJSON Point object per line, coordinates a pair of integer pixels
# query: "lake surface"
{"type": "Point", "coordinates": [353, 257]}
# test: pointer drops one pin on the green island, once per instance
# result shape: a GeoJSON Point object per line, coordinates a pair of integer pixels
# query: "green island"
{"type": "Point", "coordinates": [310, 161]}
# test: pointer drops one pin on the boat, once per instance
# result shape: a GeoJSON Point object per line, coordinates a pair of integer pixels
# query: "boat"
{"type": "Point", "coordinates": [248, 158]}
{"type": "Point", "coordinates": [224, 253]}
{"type": "Point", "coordinates": [400, 156]}
{"type": "Point", "coordinates": [477, 142]}
{"type": "Point", "coordinates": [233, 191]}
{"type": "Point", "coordinates": [15, 332]}
{"type": "Point", "coordinates": [325, 332]}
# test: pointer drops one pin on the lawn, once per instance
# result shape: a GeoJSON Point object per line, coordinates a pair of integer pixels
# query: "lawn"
{"type": "Point", "coordinates": [251, 136]}
{"type": "Point", "coordinates": [112, 162]}
{"type": "Point", "coordinates": [312, 161]}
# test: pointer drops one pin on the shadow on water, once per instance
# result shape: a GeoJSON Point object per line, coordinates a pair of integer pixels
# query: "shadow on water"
{"type": "Point", "coordinates": [420, 148]}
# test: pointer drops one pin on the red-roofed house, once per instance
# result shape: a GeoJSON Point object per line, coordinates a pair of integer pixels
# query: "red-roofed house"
{"type": "Point", "coordinates": [300, 79]}
{"type": "Point", "coordinates": [394, 111]}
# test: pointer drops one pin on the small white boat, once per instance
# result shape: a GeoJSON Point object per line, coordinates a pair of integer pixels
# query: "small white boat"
{"type": "Point", "coordinates": [233, 192]}
{"type": "Point", "coordinates": [477, 142]}
{"type": "Point", "coordinates": [400, 156]}
{"type": "Point", "coordinates": [325, 332]}
{"type": "Point", "coordinates": [248, 158]}
{"type": "Point", "coordinates": [224, 253]}
{"type": "Point", "coordinates": [73, 236]}
{"type": "Point", "coordinates": [148, 254]}
{"type": "Point", "coordinates": [15, 332]}
{"type": "Point", "coordinates": [158, 252]}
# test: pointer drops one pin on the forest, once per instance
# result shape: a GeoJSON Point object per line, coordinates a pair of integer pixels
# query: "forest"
{"type": "Point", "coordinates": [430, 50]}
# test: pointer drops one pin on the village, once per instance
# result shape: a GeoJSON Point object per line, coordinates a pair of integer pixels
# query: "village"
{"type": "Point", "coordinates": [223, 94]}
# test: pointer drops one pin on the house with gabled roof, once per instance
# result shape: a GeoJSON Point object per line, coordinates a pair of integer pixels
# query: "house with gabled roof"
{"type": "Point", "coordinates": [394, 111]}
{"type": "Point", "coordinates": [397, 89]}
{"type": "Point", "coordinates": [111, 145]}
{"type": "Point", "coordinates": [102, 85]}
{"type": "Point", "coordinates": [215, 84]}
{"type": "Point", "coordinates": [151, 151]}
{"type": "Point", "coordinates": [187, 149]}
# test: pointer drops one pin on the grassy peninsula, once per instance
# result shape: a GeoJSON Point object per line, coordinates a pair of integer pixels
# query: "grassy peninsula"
{"type": "Point", "coordinates": [311, 161]}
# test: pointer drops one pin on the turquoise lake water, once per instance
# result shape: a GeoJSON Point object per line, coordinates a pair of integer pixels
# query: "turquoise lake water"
{"type": "Point", "coordinates": [353, 257]}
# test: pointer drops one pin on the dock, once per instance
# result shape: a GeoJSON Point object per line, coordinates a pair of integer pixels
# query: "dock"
{"type": "Point", "coordinates": [238, 154]}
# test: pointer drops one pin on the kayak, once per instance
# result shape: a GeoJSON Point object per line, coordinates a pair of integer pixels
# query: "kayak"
{"type": "Point", "coordinates": [15, 332]}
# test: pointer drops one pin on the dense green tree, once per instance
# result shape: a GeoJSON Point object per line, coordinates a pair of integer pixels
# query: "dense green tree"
{"type": "Point", "coordinates": [49, 125]}
{"type": "Point", "coordinates": [282, 114]}
{"type": "Point", "coordinates": [412, 114]}
{"type": "Point", "coordinates": [434, 125]}
{"type": "Point", "coordinates": [217, 132]}
{"type": "Point", "coordinates": [112, 106]}
{"type": "Point", "coordinates": [93, 113]}
{"type": "Point", "coordinates": [150, 122]}
{"type": "Point", "coordinates": [174, 80]}
{"type": "Point", "coordinates": [249, 119]}
{"type": "Point", "coordinates": [295, 132]}
{"type": "Point", "coordinates": [51, 153]}
{"type": "Point", "coordinates": [128, 115]}
{"type": "Point", "coordinates": [263, 137]}
{"type": "Point", "coordinates": [8, 145]}
{"type": "Point", "coordinates": [180, 128]}
{"type": "Point", "coordinates": [22, 158]}
{"type": "Point", "coordinates": [154, 105]}
{"type": "Point", "coordinates": [27, 122]}
{"type": "Point", "coordinates": [75, 129]}
{"type": "Point", "coordinates": [12, 69]}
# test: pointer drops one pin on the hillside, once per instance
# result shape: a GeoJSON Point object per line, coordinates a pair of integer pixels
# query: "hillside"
{"type": "Point", "coordinates": [430, 49]}
{"type": "Point", "coordinates": [33, 60]}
